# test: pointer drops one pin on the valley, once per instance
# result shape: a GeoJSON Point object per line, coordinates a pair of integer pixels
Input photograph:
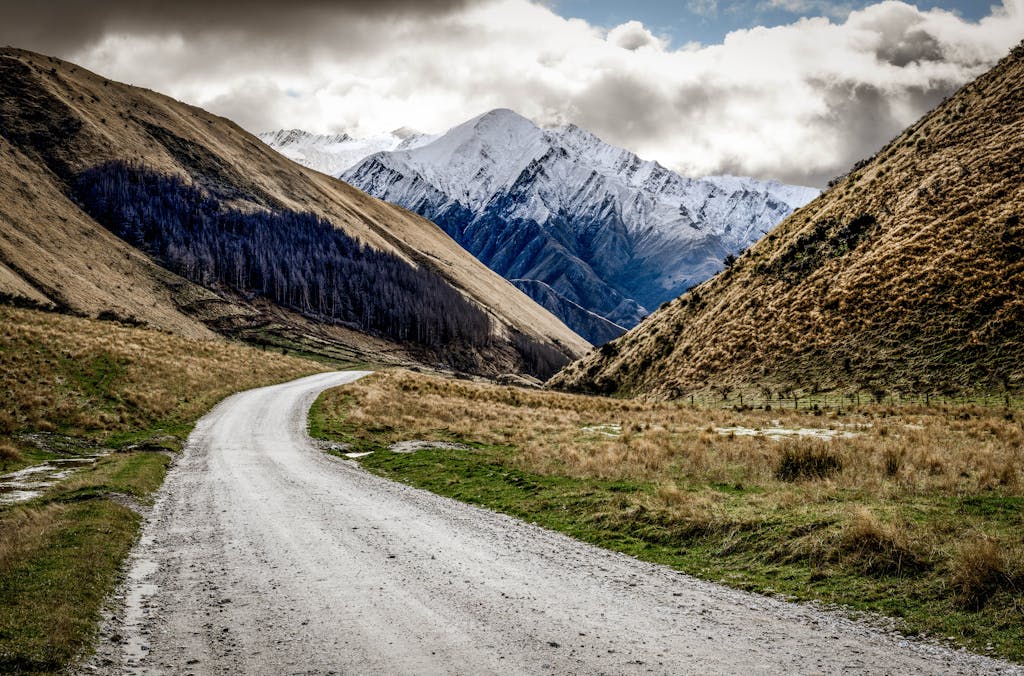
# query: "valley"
{"type": "Point", "coordinates": [61, 127]}
{"type": "Point", "coordinates": [431, 428]}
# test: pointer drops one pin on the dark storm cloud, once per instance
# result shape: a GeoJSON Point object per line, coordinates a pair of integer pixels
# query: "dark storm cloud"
{"type": "Point", "coordinates": [65, 26]}
{"type": "Point", "coordinates": [800, 102]}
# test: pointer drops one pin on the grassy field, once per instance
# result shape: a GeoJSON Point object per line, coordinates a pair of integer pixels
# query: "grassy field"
{"type": "Point", "coordinates": [74, 387]}
{"type": "Point", "coordinates": [914, 513]}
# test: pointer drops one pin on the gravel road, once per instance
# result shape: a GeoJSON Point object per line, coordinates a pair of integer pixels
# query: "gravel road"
{"type": "Point", "coordinates": [264, 555]}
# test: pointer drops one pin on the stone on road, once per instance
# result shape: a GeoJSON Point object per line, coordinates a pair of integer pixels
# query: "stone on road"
{"type": "Point", "coordinates": [264, 555]}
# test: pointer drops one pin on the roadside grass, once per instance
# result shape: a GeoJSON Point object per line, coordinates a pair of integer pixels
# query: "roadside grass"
{"type": "Point", "coordinates": [76, 387]}
{"type": "Point", "coordinates": [918, 517]}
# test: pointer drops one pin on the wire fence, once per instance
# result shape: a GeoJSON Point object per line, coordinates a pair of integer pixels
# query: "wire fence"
{"type": "Point", "coordinates": [842, 401]}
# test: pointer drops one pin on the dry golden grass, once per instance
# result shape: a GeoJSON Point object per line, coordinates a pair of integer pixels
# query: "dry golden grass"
{"type": "Point", "coordinates": [924, 301]}
{"type": "Point", "coordinates": [23, 530]}
{"type": "Point", "coordinates": [982, 567]}
{"type": "Point", "coordinates": [913, 451]}
{"type": "Point", "coordinates": [81, 376]}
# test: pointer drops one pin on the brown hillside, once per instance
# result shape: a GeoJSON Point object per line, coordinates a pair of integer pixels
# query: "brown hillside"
{"type": "Point", "coordinates": [906, 277]}
{"type": "Point", "coordinates": [57, 119]}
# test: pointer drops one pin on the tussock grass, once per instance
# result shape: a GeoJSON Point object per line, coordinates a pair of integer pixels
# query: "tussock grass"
{"type": "Point", "coordinates": [873, 521]}
{"type": "Point", "coordinates": [897, 451]}
{"type": "Point", "coordinates": [982, 568]}
{"type": "Point", "coordinates": [803, 460]}
{"type": "Point", "coordinates": [70, 386]}
{"type": "Point", "coordinates": [9, 454]}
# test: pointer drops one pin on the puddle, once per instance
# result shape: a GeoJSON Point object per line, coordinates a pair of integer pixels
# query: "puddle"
{"type": "Point", "coordinates": [606, 430]}
{"type": "Point", "coordinates": [777, 433]}
{"type": "Point", "coordinates": [358, 455]}
{"type": "Point", "coordinates": [413, 446]}
{"type": "Point", "coordinates": [31, 482]}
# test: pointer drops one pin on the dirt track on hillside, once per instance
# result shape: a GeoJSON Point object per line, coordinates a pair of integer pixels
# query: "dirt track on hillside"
{"type": "Point", "coordinates": [264, 555]}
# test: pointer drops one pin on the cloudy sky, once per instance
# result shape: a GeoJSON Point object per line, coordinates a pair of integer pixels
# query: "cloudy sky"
{"type": "Point", "coordinates": [791, 89]}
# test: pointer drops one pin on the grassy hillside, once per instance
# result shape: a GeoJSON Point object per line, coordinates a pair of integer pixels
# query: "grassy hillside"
{"type": "Point", "coordinates": [57, 121]}
{"type": "Point", "coordinates": [911, 513]}
{"type": "Point", "coordinates": [75, 387]}
{"type": "Point", "coordinates": [906, 277]}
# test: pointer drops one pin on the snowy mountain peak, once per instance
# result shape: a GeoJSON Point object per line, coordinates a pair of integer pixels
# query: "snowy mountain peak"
{"type": "Point", "coordinates": [594, 225]}
{"type": "Point", "coordinates": [605, 229]}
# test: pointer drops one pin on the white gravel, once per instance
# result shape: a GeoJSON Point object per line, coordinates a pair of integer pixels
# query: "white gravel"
{"type": "Point", "coordinates": [264, 555]}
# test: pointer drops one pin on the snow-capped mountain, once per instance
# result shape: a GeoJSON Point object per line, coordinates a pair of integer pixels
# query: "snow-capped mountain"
{"type": "Point", "coordinates": [601, 230]}
{"type": "Point", "coordinates": [334, 153]}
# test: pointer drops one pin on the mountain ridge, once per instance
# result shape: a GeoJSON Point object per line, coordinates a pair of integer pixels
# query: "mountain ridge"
{"type": "Point", "coordinates": [58, 120]}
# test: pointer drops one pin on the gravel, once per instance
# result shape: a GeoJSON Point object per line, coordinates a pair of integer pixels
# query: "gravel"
{"type": "Point", "coordinates": [264, 555]}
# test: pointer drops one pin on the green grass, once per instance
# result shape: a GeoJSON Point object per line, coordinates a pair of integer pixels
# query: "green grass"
{"type": "Point", "coordinates": [60, 556]}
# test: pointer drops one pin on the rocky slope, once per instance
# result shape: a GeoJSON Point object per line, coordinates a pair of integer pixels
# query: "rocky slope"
{"type": "Point", "coordinates": [907, 276]}
{"type": "Point", "coordinates": [57, 121]}
{"type": "Point", "coordinates": [601, 228]}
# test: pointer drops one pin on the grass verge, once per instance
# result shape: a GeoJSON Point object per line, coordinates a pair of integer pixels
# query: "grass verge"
{"type": "Point", "coordinates": [915, 514]}
{"type": "Point", "coordinates": [76, 387]}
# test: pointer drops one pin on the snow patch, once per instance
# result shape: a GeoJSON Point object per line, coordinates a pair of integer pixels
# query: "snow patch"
{"type": "Point", "coordinates": [606, 430]}
{"type": "Point", "coordinates": [777, 433]}
{"type": "Point", "coordinates": [419, 445]}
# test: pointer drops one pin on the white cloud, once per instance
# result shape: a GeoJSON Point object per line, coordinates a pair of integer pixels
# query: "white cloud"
{"type": "Point", "coordinates": [632, 35]}
{"type": "Point", "coordinates": [799, 102]}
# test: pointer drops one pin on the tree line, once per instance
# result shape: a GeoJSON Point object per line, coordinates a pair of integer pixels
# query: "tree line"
{"type": "Point", "coordinates": [296, 259]}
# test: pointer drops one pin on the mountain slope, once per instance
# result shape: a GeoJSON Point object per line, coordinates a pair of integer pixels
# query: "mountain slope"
{"type": "Point", "coordinates": [597, 225]}
{"type": "Point", "coordinates": [57, 121]}
{"type": "Point", "coordinates": [908, 276]}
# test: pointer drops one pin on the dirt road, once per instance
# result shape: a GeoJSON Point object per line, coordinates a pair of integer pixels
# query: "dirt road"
{"type": "Point", "coordinates": [264, 555]}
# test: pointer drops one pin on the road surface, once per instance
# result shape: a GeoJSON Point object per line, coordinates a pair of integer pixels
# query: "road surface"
{"type": "Point", "coordinates": [264, 555]}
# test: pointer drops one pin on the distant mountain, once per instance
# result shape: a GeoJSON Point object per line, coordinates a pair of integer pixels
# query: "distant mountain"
{"type": "Point", "coordinates": [906, 277]}
{"type": "Point", "coordinates": [602, 229]}
{"type": "Point", "coordinates": [123, 203]}
{"type": "Point", "coordinates": [334, 153]}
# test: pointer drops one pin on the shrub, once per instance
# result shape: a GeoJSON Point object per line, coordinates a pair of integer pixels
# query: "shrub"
{"type": "Point", "coordinates": [807, 460]}
{"type": "Point", "coordinates": [9, 453]}
{"type": "Point", "coordinates": [979, 571]}
{"type": "Point", "coordinates": [878, 549]}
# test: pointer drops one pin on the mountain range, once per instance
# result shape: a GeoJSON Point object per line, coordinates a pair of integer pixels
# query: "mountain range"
{"type": "Point", "coordinates": [592, 232]}
{"type": "Point", "coordinates": [906, 277]}
{"type": "Point", "coordinates": [122, 203]}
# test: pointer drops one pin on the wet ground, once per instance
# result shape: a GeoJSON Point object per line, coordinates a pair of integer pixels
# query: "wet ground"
{"type": "Point", "coordinates": [31, 482]}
